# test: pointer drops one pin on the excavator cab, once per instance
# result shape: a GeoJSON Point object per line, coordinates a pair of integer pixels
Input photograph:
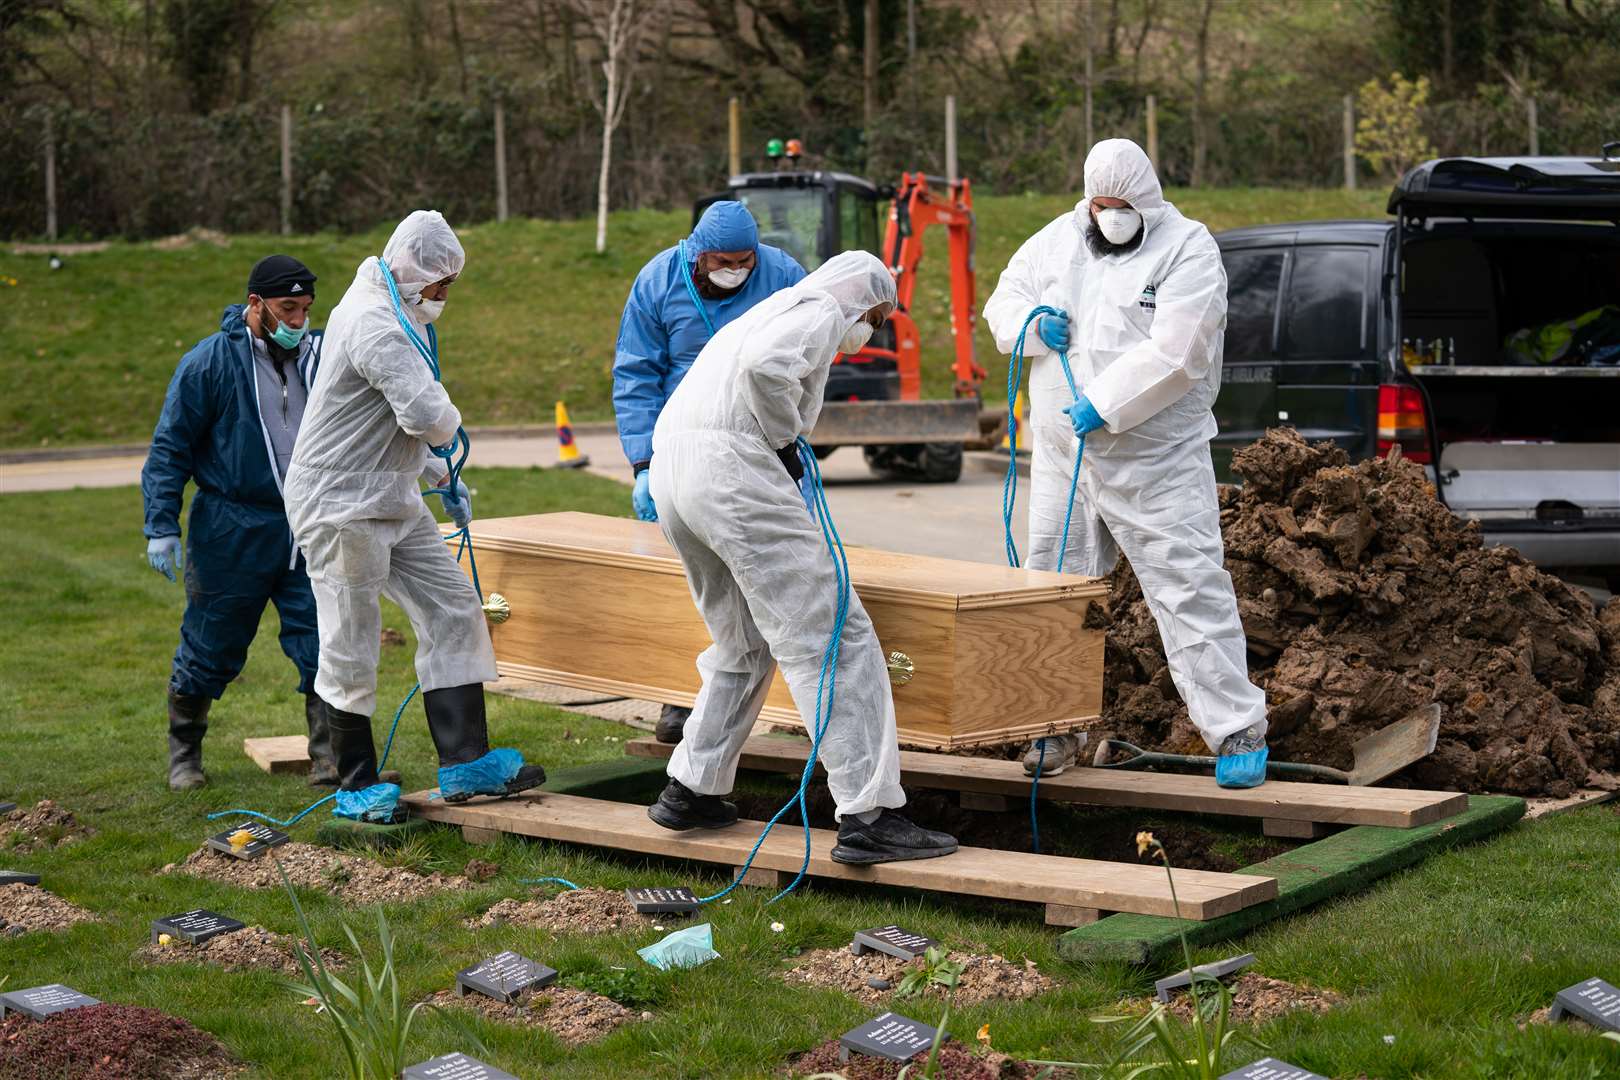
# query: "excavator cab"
{"type": "Point", "coordinates": [873, 398]}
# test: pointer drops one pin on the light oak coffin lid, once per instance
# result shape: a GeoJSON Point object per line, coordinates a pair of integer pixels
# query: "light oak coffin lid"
{"type": "Point", "coordinates": [919, 580]}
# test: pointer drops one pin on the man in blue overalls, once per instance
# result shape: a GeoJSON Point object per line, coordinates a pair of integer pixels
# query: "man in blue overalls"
{"type": "Point", "coordinates": [229, 421]}
{"type": "Point", "coordinates": [680, 299]}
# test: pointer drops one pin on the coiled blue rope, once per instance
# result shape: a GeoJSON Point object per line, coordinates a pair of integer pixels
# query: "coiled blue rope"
{"type": "Point", "coordinates": [826, 686]}
{"type": "Point", "coordinates": [429, 351]}
{"type": "Point", "coordinates": [1009, 500]}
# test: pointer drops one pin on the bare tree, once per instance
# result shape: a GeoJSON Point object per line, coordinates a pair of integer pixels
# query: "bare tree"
{"type": "Point", "coordinates": [618, 25]}
{"type": "Point", "coordinates": [1200, 102]}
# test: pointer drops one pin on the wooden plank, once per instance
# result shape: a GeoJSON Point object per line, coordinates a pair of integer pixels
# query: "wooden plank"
{"type": "Point", "coordinates": [1063, 915]}
{"type": "Point", "coordinates": [279, 753]}
{"type": "Point", "coordinates": [1294, 830]}
{"type": "Point", "coordinates": [1007, 875]}
{"type": "Point", "coordinates": [1276, 799]}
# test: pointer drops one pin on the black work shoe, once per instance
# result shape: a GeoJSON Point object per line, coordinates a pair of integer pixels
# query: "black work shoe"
{"type": "Point", "coordinates": [681, 808]}
{"type": "Point", "coordinates": [891, 838]}
{"type": "Point", "coordinates": [671, 724]}
{"type": "Point", "coordinates": [188, 723]}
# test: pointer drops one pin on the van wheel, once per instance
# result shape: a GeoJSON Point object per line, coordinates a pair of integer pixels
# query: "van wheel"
{"type": "Point", "coordinates": [928, 463]}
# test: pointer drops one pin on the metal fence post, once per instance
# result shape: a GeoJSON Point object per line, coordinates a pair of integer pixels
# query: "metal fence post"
{"type": "Point", "coordinates": [500, 161]}
{"type": "Point", "coordinates": [950, 139]}
{"type": "Point", "coordinates": [1349, 142]}
{"type": "Point", "coordinates": [734, 135]}
{"type": "Point", "coordinates": [50, 177]}
{"type": "Point", "coordinates": [286, 170]}
{"type": "Point", "coordinates": [1153, 129]}
{"type": "Point", "coordinates": [1535, 132]}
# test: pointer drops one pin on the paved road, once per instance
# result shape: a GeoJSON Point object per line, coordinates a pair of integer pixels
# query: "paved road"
{"type": "Point", "coordinates": [961, 520]}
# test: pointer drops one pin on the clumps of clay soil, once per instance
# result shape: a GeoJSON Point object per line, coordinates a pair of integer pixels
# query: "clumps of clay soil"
{"type": "Point", "coordinates": [28, 907]}
{"type": "Point", "coordinates": [983, 978]}
{"type": "Point", "coordinates": [117, 1042]}
{"type": "Point", "coordinates": [1259, 1000]}
{"type": "Point", "coordinates": [250, 949]}
{"type": "Point", "coordinates": [480, 870]}
{"type": "Point", "coordinates": [349, 877]}
{"type": "Point", "coordinates": [40, 828]}
{"type": "Point", "coordinates": [576, 911]}
{"type": "Point", "coordinates": [1364, 598]}
{"type": "Point", "coordinates": [574, 1016]}
{"type": "Point", "coordinates": [955, 1062]}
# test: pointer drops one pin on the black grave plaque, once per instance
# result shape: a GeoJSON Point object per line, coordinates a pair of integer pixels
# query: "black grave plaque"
{"type": "Point", "coordinates": [264, 838]}
{"type": "Point", "coordinates": [42, 1001]}
{"type": "Point", "coordinates": [1595, 1001]}
{"type": "Point", "coordinates": [504, 977]}
{"type": "Point", "coordinates": [1220, 969]}
{"type": "Point", "coordinates": [1272, 1069]}
{"type": "Point", "coordinates": [18, 877]}
{"type": "Point", "coordinates": [457, 1066]}
{"type": "Point", "coordinates": [195, 927]}
{"type": "Point", "coordinates": [674, 901]}
{"type": "Point", "coordinates": [890, 1036]}
{"type": "Point", "coordinates": [891, 940]}
{"type": "Point", "coordinates": [7, 807]}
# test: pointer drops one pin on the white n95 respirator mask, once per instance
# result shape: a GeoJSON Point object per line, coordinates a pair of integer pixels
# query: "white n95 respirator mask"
{"type": "Point", "coordinates": [855, 338]}
{"type": "Point", "coordinates": [429, 310]}
{"type": "Point", "coordinates": [1118, 223]}
{"type": "Point", "coordinates": [729, 279]}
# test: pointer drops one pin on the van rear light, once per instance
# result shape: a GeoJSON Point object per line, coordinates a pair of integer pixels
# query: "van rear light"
{"type": "Point", "coordinates": [1401, 422]}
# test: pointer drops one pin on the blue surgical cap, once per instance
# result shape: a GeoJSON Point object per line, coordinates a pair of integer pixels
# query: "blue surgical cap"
{"type": "Point", "coordinates": [724, 226]}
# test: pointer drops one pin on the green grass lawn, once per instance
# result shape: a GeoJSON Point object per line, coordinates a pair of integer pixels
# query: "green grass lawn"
{"type": "Point", "coordinates": [1447, 958]}
{"type": "Point", "coordinates": [87, 351]}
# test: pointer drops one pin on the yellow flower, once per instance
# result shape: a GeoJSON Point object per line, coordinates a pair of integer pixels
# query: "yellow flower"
{"type": "Point", "coordinates": [1144, 840]}
{"type": "Point", "coordinates": [241, 838]}
{"type": "Point", "coordinates": [165, 939]}
{"type": "Point", "coordinates": [984, 1034]}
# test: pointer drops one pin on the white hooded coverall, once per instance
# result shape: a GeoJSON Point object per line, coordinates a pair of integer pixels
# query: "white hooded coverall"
{"type": "Point", "coordinates": [755, 559]}
{"type": "Point", "coordinates": [353, 493]}
{"type": "Point", "coordinates": [1146, 329]}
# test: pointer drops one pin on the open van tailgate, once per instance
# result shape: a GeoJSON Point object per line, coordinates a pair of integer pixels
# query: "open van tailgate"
{"type": "Point", "coordinates": [1555, 502]}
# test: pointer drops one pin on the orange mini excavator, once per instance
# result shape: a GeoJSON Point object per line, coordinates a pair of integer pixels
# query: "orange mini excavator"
{"type": "Point", "coordinates": [874, 398]}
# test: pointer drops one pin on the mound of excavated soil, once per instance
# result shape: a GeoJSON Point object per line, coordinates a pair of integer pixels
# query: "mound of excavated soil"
{"type": "Point", "coordinates": [39, 828]}
{"type": "Point", "coordinates": [1259, 1000]}
{"type": "Point", "coordinates": [119, 1042]}
{"type": "Point", "coordinates": [29, 907]}
{"type": "Point", "coordinates": [576, 911]}
{"type": "Point", "coordinates": [250, 949]}
{"type": "Point", "coordinates": [983, 978]}
{"type": "Point", "coordinates": [574, 1016]}
{"type": "Point", "coordinates": [955, 1062]}
{"type": "Point", "coordinates": [354, 878]}
{"type": "Point", "coordinates": [1363, 598]}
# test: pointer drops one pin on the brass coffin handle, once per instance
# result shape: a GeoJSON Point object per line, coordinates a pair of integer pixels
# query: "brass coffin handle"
{"type": "Point", "coordinates": [901, 669]}
{"type": "Point", "coordinates": [497, 609]}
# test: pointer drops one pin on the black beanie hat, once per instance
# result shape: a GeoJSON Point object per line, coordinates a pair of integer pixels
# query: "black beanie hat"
{"type": "Point", "coordinates": [280, 275]}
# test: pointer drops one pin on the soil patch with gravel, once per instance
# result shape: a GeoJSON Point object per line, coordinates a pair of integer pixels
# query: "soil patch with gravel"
{"type": "Point", "coordinates": [39, 828]}
{"type": "Point", "coordinates": [1363, 598]}
{"type": "Point", "coordinates": [252, 948]}
{"type": "Point", "coordinates": [350, 877]}
{"type": "Point", "coordinates": [28, 907]}
{"type": "Point", "coordinates": [574, 1016]}
{"type": "Point", "coordinates": [576, 911]}
{"type": "Point", "coordinates": [1259, 1000]}
{"type": "Point", "coordinates": [955, 1062]}
{"type": "Point", "coordinates": [983, 978]}
{"type": "Point", "coordinates": [110, 1042]}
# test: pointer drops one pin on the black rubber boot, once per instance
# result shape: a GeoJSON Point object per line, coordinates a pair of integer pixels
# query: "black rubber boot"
{"type": "Point", "coordinates": [671, 724]}
{"type": "Point", "coordinates": [891, 838]}
{"type": "Point", "coordinates": [188, 723]}
{"type": "Point", "coordinates": [355, 754]}
{"type": "Point", "coordinates": [460, 733]}
{"type": "Point", "coordinates": [680, 808]}
{"type": "Point", "coordinates": [322, 766]}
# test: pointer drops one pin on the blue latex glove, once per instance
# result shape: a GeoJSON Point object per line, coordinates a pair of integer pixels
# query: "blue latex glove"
{"type": "Point", "coordinates": [1242, 770]}
{"type": "Point", "coordinates": [807, 492]}
{"type": "Point", "coordinates": [163, 555]}
{"type": "Point", "coordinates": [459, 505]}
{"type": "Point", "coordinates": [682, 949]}
{"type": "Point", "coordinates": [375, 803]}
{"type": "Point", "coordinates": [1054, 331]}
{"type": "Point", "coordinates": [642, 498]}
{"type": "Point", "coordinates": [1083, 417]}
{"type": "Point", "coordinates": [484, 776]}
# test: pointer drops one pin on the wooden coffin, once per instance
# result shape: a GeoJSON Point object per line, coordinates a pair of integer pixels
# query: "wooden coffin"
{"type": "Point", "coordinates": [601, 603]}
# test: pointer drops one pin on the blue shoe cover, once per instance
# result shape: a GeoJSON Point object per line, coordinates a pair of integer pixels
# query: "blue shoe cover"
{"type": "Point", "coordinates": [485, 776]}
{"type": "Point", "coordinates": [375, 803]}
{"type": "Point", "coordinates": [1242, 770]}
{"type": "Point", "coordinates": [682, 949]}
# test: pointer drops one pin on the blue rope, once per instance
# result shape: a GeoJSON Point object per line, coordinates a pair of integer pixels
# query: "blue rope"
{"type": "Point", "coordinates": [1034, 786]}
{"type": "Point", "coordinates": [826, 686]}
{"type": "Point", "coordinates": [548, 881]}
{"type": "Point", "coordinates": [429, 351]}
{"type": "Point", "coordinates": [691, 287]}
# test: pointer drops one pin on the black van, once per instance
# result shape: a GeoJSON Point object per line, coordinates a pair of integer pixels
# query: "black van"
{"type": "Point", "coordinates": [1478, 330]}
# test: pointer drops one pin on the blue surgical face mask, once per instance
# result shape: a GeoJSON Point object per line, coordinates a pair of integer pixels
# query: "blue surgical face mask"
{"type": "Point", "coordinates": [286, 336]}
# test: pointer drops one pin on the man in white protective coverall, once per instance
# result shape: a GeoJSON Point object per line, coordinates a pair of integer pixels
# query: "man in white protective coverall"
{"type": "Point", "coordinates": [1143, 293]}
{"type": "Point", "coordinates": [730, 501]}
{"type": "Point", "coordinates": [357, 511]}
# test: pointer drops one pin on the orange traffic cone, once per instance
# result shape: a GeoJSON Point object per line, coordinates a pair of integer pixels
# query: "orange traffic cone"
{"type": "Point", "coordinates": [1020, 411]}
{"type": "Point", "coordinates": [568, 455]}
